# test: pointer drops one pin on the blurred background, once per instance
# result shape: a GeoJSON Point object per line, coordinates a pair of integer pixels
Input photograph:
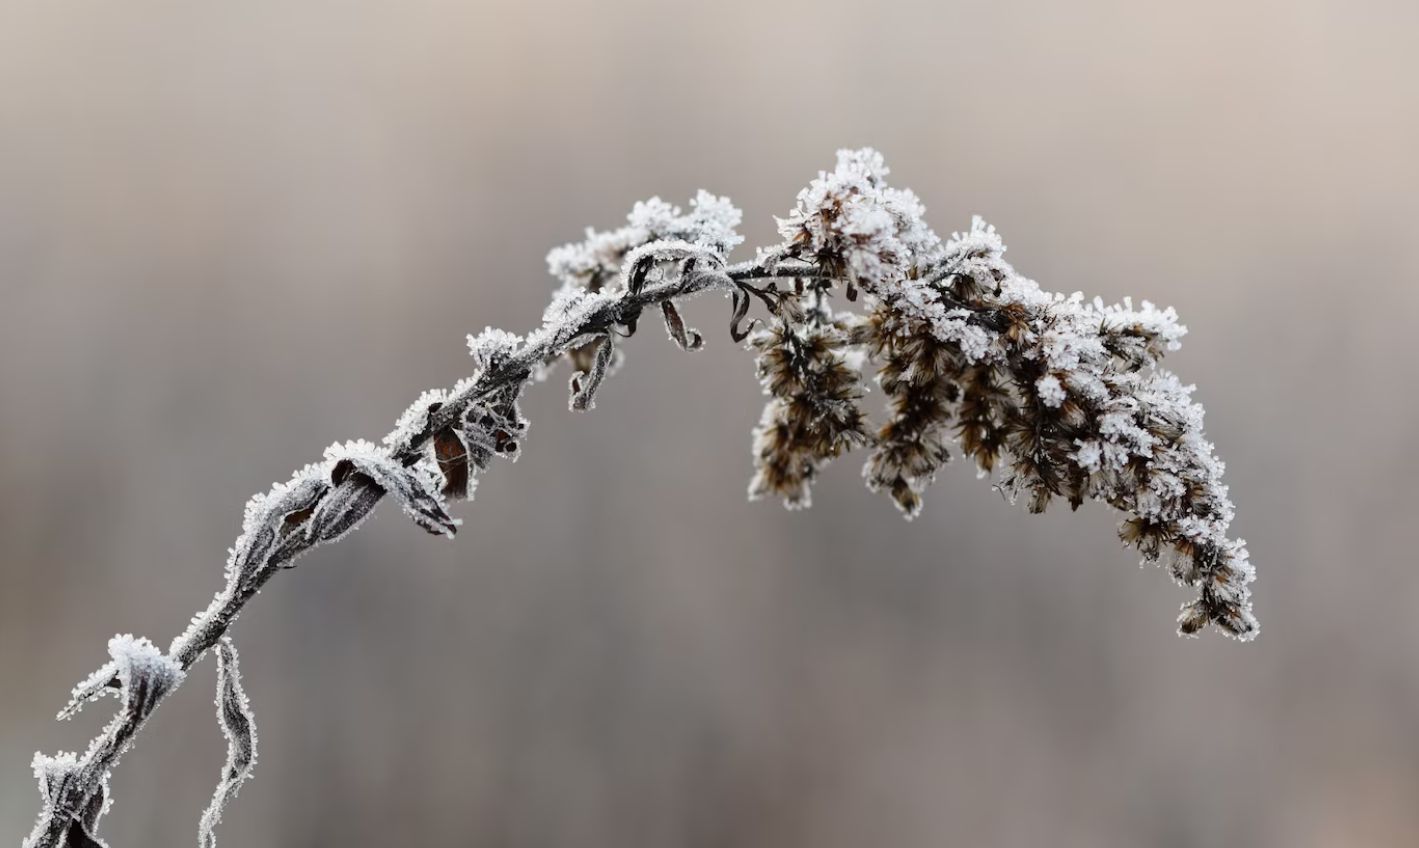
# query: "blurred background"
{"type": "Point", "coordinates": [231, 234]}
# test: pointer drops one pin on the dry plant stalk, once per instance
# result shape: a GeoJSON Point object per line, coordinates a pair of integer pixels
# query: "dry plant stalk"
{"type": "Point", "coordinates": [1052, 396]}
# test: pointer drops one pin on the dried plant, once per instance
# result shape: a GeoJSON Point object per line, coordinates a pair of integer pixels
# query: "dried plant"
{"type": "Point", "coordinates": [1051, 395]}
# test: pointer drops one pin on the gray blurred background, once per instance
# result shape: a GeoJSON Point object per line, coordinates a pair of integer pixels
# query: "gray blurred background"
{"type": "Point", "coordinates": [233, 233]}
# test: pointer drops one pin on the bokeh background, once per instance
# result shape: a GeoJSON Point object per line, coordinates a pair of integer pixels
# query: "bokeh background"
{"type": "Point", "coordinates": [232, 233]}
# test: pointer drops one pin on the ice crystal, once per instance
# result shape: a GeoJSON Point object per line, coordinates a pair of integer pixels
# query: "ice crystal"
{"type": "Point", "coordinates": [415, 420]}
{"type": "Point", "coordinates": [850, 221]}
{"type": "Point", "coordinates": [490, 347]}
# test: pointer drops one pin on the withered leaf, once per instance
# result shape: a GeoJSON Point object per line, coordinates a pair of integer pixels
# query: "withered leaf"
{"type": "Point", "coordinates": [675, 325]}
{"type": "Point", "coordinates": [741, 309]}
{"type": "Point", "coordinates": [413, 488]}
{"type": "Point", "coordinates": [239, 727]}
{"type": "Point", "coordinates": [344, 507]}
{"type": "Point", "coordinates": [585, 385]}
{"type": "Point", "coordinates": [453, 459]}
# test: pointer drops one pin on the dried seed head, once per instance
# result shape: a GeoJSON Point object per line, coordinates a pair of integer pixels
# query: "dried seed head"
{"type": "Point", "coordinates": [813, 415]}
{"type": "Point", "coordinates": [1058, 396]}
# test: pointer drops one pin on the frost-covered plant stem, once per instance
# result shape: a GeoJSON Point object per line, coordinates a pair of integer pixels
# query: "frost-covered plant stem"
{"type": "Point", "coordinates": [1053, 396]}
{"type": "Point", "coordinates": [511, 372]}
{"type": "Point", "coordinates": [85, 778]}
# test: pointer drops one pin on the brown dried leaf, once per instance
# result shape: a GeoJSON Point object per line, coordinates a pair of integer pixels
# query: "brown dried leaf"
{"type": "Point", "coordinates": [453, 459]}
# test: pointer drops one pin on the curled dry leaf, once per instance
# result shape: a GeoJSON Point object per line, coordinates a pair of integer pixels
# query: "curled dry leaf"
{"type": "Point", "coordinates": [415, 486]}
{"type": "Point", "coordinates": [343, 509]}
{"type": "Point", "coordinates": [239, 728]}
{"type": "Point", "coordinates": [85, 824]}
{"type": "Point", "coordinates": [585, 385]}
{"type": "Point", "coordinates": [144, 673]}
{"type": "Point", "coordinates": [495, 427]}
{"type": "Point", "coordinates": [687, 339]}
{"type": "Point", "coordinates": [741, 310]}
{"type": "Point", "coordinates": [61, 777]}
{"type": "Point", "coordinates": [272, 517]}
{"type": "Point", "coordinates": [451, 453]}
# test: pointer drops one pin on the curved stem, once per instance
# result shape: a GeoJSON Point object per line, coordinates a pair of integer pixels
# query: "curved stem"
{"type": "Point", "coordinates": [53, 826]}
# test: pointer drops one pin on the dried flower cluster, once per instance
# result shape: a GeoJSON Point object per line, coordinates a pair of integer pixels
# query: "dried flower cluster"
{"type": "Point", "coordinates": [1052, 395]}
{"type": "Point", "coordinates": [813, 415]}
{"type": "Point", "coordinates": [1059, 396]}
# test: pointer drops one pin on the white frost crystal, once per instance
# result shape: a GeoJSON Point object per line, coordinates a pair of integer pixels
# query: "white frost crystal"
{"type": "Point", "coordinates": [1051, 390]}
{"type": "Point", "coordinates": [710, 223]}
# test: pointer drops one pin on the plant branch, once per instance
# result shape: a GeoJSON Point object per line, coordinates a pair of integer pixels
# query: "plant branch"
{"type": "Point", "coordinates": [359, 495]}
{"type": "Point", "coordinates": [1052, 396]}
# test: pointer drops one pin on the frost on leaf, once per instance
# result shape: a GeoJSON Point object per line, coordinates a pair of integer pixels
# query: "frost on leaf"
{"type": "Point", "coordinates": [418, 488]}
{"type": "Point", "coordinates": [565, 315]}
{"type": "Point", "coordinates": [346, 506]}
{"type": "Point", "coordinates": [668, 259]}
{"type": "Point", "coordinates": [74, 789]}
{"type": "Point", "coordinates": [143, 672]}
{"type": "Point", "coordinates": [413, 424]}
{"type": "Point", "coordinates": [104, 681]}
{"type": "Point", "coordinates": [450, 454]}
{"type": "Point", "coordinates": [461, 448]}
{"type": "Point", "coordinates": [272, 516]}
{"type": "Point", "coordinates": [238, 726]}
{"type": "Point", "coordinates": [493, 427]}
{"type": "Point", "coordinates": [605, 259]}
{"type": "Point", "coordinates": [596, 261]}
{"type": "Point", "coordinates": [60, 778]}
{"type": "Point", "coordinates": [85, 824]}
{"type": "Point", "coordinates": [584, 384]}
{"type": "Point", "coordinates": [492, 347]}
